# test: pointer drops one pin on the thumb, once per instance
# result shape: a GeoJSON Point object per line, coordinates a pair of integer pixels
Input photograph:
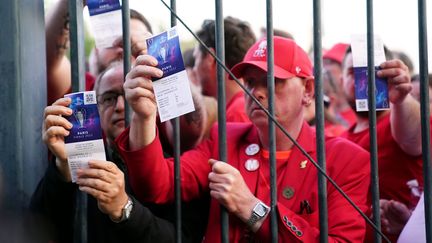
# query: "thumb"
{"type": "Point", "coordinates": [212, 162]}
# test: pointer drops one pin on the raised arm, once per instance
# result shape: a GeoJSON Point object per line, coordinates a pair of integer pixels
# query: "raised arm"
{"type": "Point", "coordinates": [140, 96]}
{"type": "Point", "coordinates": [57, 44]}
{"type": "Point", "coordinates": [405, 110]}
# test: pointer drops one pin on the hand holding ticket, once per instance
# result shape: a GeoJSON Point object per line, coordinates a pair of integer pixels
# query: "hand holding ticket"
{"type": "Point", "coordinates": [172, 90]}
{"type": "Point", "coordinates": [359, 53]}
{"type": "Point", "coordinates": [85, 141]}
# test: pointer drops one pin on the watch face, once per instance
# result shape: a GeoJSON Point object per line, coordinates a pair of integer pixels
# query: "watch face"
{"type": "Point", "coordinates": [260, 210]}
{"type": "Point", "coordinates": [128, 209]}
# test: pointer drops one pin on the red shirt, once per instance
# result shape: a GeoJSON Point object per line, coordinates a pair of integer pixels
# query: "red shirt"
{"type": "Point", "coordinates": [151, 177]}
{"type": "Point", "coordinates": [235, 109]}
{"type": "Point", "coordinates": [349, 116]}
{"type": "Point", "coordinates": [395, 167]}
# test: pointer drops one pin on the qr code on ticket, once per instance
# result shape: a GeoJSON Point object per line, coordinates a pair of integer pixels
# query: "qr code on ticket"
{"type": "Point", "coordinates": [90, 98]}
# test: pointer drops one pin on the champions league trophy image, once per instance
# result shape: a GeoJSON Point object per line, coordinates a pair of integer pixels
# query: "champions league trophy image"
{"type": "Point", "coordinates": [163, 49]}
{"type": "Point", "coordinates": [163, 52]}
{"type": "Point", "coordinates": [80, 116]}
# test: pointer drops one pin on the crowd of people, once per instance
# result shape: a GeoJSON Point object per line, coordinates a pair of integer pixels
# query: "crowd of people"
{"type": "Point", "coordinates": [131, 194]}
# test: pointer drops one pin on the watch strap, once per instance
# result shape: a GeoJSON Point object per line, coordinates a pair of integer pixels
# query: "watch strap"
{"type": "Point", "coordinates": [255, 216]}
{"type": "Point", "coordinates": [126, 211]}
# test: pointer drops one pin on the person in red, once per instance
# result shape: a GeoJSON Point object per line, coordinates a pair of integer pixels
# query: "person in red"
{"type": "Point", "coordinates": [239, 37]}
{"type": "Point", "coordinates": [398, 133]}
{"type": "Point", "coordinates": [332, 63]}
{"type": "Point", "coordinates": [242, 184]}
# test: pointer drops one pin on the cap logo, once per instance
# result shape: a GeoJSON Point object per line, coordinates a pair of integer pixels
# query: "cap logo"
{"type": "Point", "coordinates": [298, 69]}
{"type": "Point", "coordinates": [262, 47]}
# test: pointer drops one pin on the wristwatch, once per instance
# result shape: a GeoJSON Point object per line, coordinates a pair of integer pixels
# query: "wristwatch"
{"type": "Point", "coordinates": [258, 212]}
{"type": "Point", "coordinates": [126, 211]}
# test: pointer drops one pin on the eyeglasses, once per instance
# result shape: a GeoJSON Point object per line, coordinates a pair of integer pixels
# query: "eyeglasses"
{"type": "Point", "coordinates": [109, 98]}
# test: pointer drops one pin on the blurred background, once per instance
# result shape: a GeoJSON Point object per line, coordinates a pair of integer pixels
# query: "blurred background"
{"type": "Point", "coordinates": [395, 21]}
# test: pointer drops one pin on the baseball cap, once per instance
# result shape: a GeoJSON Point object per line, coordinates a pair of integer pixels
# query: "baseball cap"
{"type": "Point", "coordinates": [336, 53]}
{"type": "Point", "coordinates": [290, 60]}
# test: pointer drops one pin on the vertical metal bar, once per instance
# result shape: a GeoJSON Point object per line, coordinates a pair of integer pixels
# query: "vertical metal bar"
{"type": "Point", "coordinates": [372, 121]}
{"type": "Point", "coordinates": [22, 72]}
{"type": "Point", "coordinates": [424, 108]}
{"type": "Point", "coordinates": [271, 125]}
{"type": "Point", "coordinates": [220, 53]}
{"type": "Point", "coordinates": [319, 116]}
{"type": "Point", "coordinates": [126, 49]}
{"type": "Point", "coordinates": [76, 26]}
{"type": "Point", "coordinates": [77, 56]}
{"type": "Point", "coordinates": [177, 174]}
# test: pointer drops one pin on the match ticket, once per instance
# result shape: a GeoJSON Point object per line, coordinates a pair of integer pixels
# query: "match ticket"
{"type": "Point", "coordinates": [172, 91]}
{"type": "Point", "coordinates": [85, 141]}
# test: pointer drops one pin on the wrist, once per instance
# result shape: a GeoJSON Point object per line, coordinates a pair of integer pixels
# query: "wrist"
{"type": "Point", "coordinates": [142, 132]}
{"type": "Point", "coordinates": [63, 168]}
{"type": "Point", "coordinates": [122, 213]}
{"type": "Point", "coordinates": [257, 216]}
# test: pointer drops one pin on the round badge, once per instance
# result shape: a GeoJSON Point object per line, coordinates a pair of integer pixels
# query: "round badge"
{"type": "Point", "coordinates": [252, 149]}
{"type": "Point", "coordinates": [252, 164]}
{"type": "Point", "coordinates": [288, 192]}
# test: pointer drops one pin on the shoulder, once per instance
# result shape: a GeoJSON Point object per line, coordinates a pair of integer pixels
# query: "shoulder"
{"type": "Point", "coordinates": [342, 149]}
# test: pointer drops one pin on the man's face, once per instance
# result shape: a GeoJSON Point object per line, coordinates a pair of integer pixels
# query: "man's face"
{"type": "Point", "coordinates": [205, 72]}
{"type": "Point", "coordinates": [289, 94]}
{"type": "Point", "coordinates": [106, 56]}
{"type": "Point", "coordinates": [348, 80]}
{"type": "Point", "coordinates": [111, 102]}
{"type": "Point", "coordinates": [335, 70]}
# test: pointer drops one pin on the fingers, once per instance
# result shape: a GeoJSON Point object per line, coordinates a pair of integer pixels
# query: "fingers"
{"type": "Point", "coordinates": [398, 208]}
{"type": "Point", "coordinates": [53, 113]}
{"type": "Point", "coordinates": [395, 63]}
{"type": "Point", "coordinates": [104, 165]}
{"type": "Point", "coordinates": [54, 132]}
{"type": "Point", "coordinates": [98, 194]}
{"type": "Point", "coordinates": [395, 70]}
{"type": "Point", "coordinates": [220, 167]}
{"type": "Point", "coordinates": [138, 82]}
{"type": "Point", "coordinates": [65, 101]}
{"type": "Point", "coordinates": [101, 170]}
{"type": "Point", "coordinates": [102, 180]}
{"type": "Point", "coordinates": [58, 108]}
{"type": "Point", "coordinates": [134, 95]}
{"type": "Point", "coordinates": [140, 75]}
{"type": "Point", "coordinates": [94, 187]}
{"type": "Point", "coordinates": [55, 120]}
{"type": "Point", "coordinates": [146, 60]}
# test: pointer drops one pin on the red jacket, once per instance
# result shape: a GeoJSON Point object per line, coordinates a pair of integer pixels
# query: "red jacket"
{"type": "Point", "coordinates": [235, 109]}
{"type": "Point", "coordinates": [151, 177]}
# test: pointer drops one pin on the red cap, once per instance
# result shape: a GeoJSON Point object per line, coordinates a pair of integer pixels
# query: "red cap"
{"type": "Point", "coordinates": [336, 53]}
{"type": "Point", "coordinates": [289, 59]}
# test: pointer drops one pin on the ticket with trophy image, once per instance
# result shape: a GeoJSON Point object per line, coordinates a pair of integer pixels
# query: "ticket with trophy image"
{"type": "Point", "coordinates": [85, 141]}
{"type": "Point", "coordinates": [172, 90]}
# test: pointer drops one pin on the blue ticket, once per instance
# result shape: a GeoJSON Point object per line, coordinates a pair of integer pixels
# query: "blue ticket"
{"type": "Point", "coordinates": [172, 90]}
{"type": "Point", "coordinates": [85, 140]}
